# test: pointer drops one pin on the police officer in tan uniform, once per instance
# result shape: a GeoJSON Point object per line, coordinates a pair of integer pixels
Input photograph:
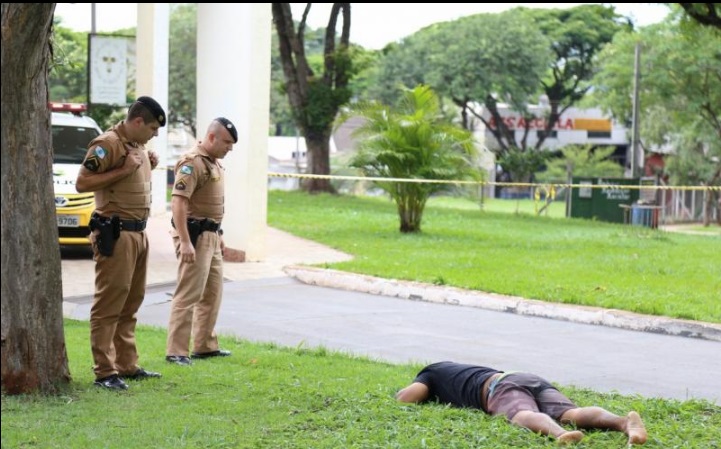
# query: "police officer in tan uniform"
{"type": "Point", "coordinates": [198, 206]}
{"type": "Point", "coordinates": [117, 168]}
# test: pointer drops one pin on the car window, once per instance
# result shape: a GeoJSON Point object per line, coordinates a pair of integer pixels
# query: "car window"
{"type": "Point", "coordinates": [70, 143]}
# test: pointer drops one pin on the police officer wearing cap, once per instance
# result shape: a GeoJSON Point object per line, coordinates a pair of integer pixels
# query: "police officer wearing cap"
{"type": "Point", "coordinates": [117, 167]}
{"type": "Point", "coordinates": [198, 206]}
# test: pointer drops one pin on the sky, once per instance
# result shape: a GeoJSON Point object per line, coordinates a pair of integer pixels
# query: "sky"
{"type": "Point", "coordinates": [373, 25]}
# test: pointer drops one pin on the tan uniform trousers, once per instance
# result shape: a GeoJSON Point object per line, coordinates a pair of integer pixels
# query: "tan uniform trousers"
{"type": "Point", "coordinates": [197, 297]}
{"type": "Point", "coordinates": [119, 292]}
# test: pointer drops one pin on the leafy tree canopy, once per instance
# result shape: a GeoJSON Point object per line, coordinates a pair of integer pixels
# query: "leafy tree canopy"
{"type": "Point", "coordinates": [707, 14]}
{"type": "Point", "coordinates": [581, 160]}
{"type": "Point", "coordinates": [512, 58]}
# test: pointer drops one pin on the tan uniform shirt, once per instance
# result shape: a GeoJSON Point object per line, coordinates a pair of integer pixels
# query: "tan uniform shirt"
{"type": "Point", "coordinates": [200, 178]}
{"type": "Point", "coordinates": [129, 197]}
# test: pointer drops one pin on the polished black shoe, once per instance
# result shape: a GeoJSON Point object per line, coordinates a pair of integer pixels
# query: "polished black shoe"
{"type": "Point", "coordinates": [179, 360]}
{"type": "Point", "coordinates": [141, 374]}
{"type": "Point", "coordinates": [206, 355]}
{"type": "Point", "coordinates": [112, 382]}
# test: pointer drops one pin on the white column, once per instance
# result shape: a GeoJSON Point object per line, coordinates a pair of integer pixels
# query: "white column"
{"type": "Point", "coordinates": [234, 82]}
{"type": "Point", "coordinates": [152, 80]}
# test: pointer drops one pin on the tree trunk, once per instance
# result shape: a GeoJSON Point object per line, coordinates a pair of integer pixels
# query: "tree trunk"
{"type": "Point", "coordinates": [314, 99]}
{"type": "Point", "coordinates": [410, 202]}
{"type": "Point", "coordinates": [34, 358]}
{"type": "Point", "coordinates": [318, 155]}
{"type": "Point", "coordinates": [711, 204]}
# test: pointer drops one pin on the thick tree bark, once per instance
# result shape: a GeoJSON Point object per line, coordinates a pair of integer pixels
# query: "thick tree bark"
{"type": "Point", "coordinates": [33, 344]}
{"type": "Point", "coordinates": [318, 154]}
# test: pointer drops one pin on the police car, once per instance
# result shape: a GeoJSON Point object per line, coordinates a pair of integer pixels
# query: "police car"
{"type": "Point", "coordinates": [71, 134]}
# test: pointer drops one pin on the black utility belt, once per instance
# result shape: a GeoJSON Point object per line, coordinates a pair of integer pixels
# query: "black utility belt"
{"type": "Point", "coordinates": [197, 227]}
{"type": "Point", "coordinates": [109, 230]}
{"type": "Point", "coordinates": [205, 224]}
{"type": "Point", "coordinates": [124, 224]}
{"type": "Point", "coordinates": [208, 225]}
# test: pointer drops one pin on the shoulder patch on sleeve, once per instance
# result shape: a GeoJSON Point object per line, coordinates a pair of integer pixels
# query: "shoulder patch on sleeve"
{"type": "Point", "coordinates": [100, 152]}
{"type": "Point", "coordinates": [92, 163]}
{"type": "Point", "coordinates": [186, 169]}
{"type": "Point", "coordinates": [180, 185]}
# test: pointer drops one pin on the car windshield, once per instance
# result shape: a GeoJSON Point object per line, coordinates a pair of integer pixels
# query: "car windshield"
{"type": "Point", "coordinates": [70, 143]}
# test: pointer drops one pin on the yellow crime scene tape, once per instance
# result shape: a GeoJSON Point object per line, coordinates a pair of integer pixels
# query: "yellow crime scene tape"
{"type": "Point", "coordinates": [548, 188]}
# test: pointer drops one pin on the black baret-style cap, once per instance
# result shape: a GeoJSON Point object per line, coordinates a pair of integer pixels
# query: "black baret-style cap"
{"type": "Point", "coordinates": [229, 126]}
{"type": "Point", "coordinates": [154, 108]}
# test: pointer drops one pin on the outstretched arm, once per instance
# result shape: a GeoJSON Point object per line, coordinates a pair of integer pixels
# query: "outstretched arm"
{"type": "Point", "coordinates": [414, 393]}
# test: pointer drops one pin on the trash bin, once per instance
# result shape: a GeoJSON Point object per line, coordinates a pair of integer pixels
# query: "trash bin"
{"type": "Point", "coordinates": [644, 214]}
{"type": "Point", "coordinates": [638, 215]}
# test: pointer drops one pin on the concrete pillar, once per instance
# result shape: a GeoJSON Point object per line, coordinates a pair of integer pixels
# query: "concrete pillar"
{"type": "Point", "coordinates": [233, 81]}
{"type": "Point", "coordinates": [152, 79]}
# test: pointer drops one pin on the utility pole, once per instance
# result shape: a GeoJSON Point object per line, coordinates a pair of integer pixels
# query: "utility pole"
{"type": "Point", "coordinates": [634, 130]}
{"type": "Point", "coordinates": [92, 18]}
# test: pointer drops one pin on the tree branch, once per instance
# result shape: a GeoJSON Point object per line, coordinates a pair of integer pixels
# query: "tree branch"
{"type": "Point", "coordinates": [704, 13]}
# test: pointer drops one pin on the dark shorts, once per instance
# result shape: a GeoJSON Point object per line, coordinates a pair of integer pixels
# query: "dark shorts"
{"type": "Point", "coordinates": [523, 391]}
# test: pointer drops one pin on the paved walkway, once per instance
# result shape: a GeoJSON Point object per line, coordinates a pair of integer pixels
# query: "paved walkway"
{"type": "Point", "coordinates": [283, 250]}
{"type": "Point", "coordinates": [284, 301]}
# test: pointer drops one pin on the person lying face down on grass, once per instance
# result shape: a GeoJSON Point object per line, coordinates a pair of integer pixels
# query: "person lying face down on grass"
{"type": "Point", "coordinates": [526, 400]}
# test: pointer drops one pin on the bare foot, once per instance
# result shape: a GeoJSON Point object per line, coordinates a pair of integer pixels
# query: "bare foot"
{"type": "Point", "coordinates": [635, 429]}
{"type": "Point", "coordinates": [571, 437]}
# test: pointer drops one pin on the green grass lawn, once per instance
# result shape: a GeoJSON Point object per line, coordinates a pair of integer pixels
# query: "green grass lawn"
{"type": "Point", "coordinates": [266, 396]}
{"type": "Point", "coordinates": [505, 248]}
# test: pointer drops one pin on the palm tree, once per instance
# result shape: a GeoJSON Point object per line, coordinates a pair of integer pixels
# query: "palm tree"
{"type": "Point", "coordinates": [413, 142]}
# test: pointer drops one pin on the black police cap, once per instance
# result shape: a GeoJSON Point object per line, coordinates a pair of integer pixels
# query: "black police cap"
{"type": "Point", "coordinates": [227, 124]}
{"type": "Point", "coordinates": [154, 108]}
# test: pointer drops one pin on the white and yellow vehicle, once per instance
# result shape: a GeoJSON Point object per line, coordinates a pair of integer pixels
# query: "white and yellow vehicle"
{"type": "Point", "coordinates": [71, 134]}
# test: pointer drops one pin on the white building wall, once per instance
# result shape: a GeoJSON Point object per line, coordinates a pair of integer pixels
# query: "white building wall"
{"type": "Point", "coordinates": [234, 82]}
{"type": "Point", "coordinates": [152, 79]}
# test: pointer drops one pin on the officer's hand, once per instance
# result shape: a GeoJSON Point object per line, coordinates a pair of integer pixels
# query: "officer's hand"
{"type": "Point", "coordinates": [153, 156]}
{"type": "Point", "coordinates": [187, 252]}
{"type": "Point", "coordinates": [133, 160]}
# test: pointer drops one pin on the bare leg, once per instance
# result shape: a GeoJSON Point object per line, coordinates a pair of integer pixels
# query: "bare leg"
{"type": "Point", "coordinates": [545, 425]}
{"type": "Point", "coordinates": [599, 418]}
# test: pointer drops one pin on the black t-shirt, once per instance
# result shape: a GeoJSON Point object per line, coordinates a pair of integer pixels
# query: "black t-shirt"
{"type": "Point", "coordinates": [455, 383]}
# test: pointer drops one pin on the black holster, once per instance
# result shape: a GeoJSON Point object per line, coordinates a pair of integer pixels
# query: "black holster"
{"type": "Point", "coordinates": [108, 233]}
{"type": "Point", "coordinates": [194, 231]}
{"type": "Point", "coordinates": [195, 228]}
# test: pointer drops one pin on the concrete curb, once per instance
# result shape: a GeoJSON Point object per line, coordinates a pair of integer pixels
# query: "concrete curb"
{"type": "Point", "coordinates": [454, 296]}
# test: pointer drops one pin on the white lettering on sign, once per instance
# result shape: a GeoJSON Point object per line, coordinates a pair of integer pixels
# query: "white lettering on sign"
{"type": "Point", "coordinates": [616, 193]}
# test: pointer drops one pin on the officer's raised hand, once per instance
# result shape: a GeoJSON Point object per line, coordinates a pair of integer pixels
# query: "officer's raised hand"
{"type": "Point", "coordinates": [133, 160]}
{"type": "Point", "coordinates": [153, 156]}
